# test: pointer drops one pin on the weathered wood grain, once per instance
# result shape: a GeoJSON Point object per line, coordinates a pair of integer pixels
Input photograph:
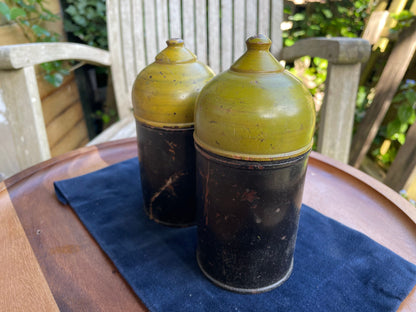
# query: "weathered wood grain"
{"type": "Point", "coordinates": [201, 31]}
{"type": "Point", "coordinates": [161, 23]}
{"type": "Point", "coordinates": [175, 16]}
{"type": "Point", "coordinates": [375, 26]}
{"type": "Point", "coordinates": [76, 137]}
{"type": "Point", "coordinates": [126, 128]}
{"type": "Point", "coordinates": [22, 284]}
{"type": "Point", "coordinates": [188, 16]}
{"type": "Point", "coordinates": [240, 38]}
{"type": "Point", "coordinates": [213, 25]}
{"type": "Point", "coordinates": [20, 56]}
{"type": "Point", "coordinates": [138, 43]}
{"type": "Point", "coordinates": [63, 123]}
{"type": "Point", "coordinates": [226, 34]}
{"type": "Point", "coordinates": [251, 17]}
{"type": "Point", "coordinates": [275, 31]}
{"type": "Point", "coordinates": [264, 18]}
{"type": "Point", "coordinates": [402, 172]}
{"type": "Point", "coordinates": [337, 112]}
{"type": "Point", "coordinates": [116, 54]}
{"type": "Point", "coordinates": [24, 120]}
{"type": "Point", "coordinates": [45, 88]}
{"type": "Point", "coordinates": [59, 100]}
{"type": "Point", "coordinates": [79, 275]}
{"type": "Point", "coordinates": [150, 34]}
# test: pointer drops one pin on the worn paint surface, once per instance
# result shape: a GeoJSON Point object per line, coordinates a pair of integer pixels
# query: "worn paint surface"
{"type": "Point", "coordinates": [248, 215]}
{"type": "Point", "coordinates": [255, 110]}
{"type": "Point", "coordinates": [167, 169]}
{"type": "Point", "coordinates": [164, 92]}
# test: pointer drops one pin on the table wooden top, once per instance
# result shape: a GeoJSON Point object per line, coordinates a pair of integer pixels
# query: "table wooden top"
{"type": "Point", "coordinates": [48, 260]}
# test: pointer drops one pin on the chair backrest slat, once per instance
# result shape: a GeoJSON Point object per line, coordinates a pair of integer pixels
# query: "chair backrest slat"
{"type": "Point", "coordinates": [201, 31]}
{"type": "Point", "coordinates": [138, 35]}
{"type": "Point", "coordinates": [117, 67]}
{"type": "Point", "coordinates": [264, 17]}
{"type": "Point", "coordinates": [214, 35]}
{"type": "Point", "coordinates": [251, 16]}
{"type": "Point", "coordinates": [188, 18]}
{"type": "Point", "coordinates": [149, 17]}
{"type": "Point", "coordinates": [239, 37]}
{"type": "Point", "coordinates": [175, 18]}
{"type": "Point", "coordinates": [127, 38]}
{"type": "Point", "coordinates": [162, 23]}
{"type": "Point", "coordinates": [226, 34]}
{"type": "Point", "coordinates": [276, 19]}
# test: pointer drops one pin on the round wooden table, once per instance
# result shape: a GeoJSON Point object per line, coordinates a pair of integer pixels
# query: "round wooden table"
{"type": "Point", "coordinates": [48, 260]}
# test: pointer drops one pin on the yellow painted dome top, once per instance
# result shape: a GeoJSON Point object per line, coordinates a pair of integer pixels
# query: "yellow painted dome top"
{"type": "Point", "coordinates": [256, 110]}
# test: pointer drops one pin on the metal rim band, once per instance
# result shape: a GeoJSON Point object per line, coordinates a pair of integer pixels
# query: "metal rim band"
{"type": "Point", "coordinates": [246, 290]}
{"type": "Point", "coordinates": [161, 125]}
{"type": "Point", "coordinates": [252, 157]}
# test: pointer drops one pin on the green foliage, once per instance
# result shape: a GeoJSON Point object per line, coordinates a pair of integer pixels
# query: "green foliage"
{"type": "Point", "coordinates": [87, 21]}
{"type": "Point", "coordinates": [315, 74]}
{"type": "Point", "coordinates": [106, 116]}
{"type": "Point", "coordinates": [330, 19]}
{"type": "Point", "coordinates": [364, 98]}
{"type": "Point", "coordinates": [404, 19]}
{"type": "Point", "coordinates": [30, 16]}
{"type": "Point", "coordinates": [404, 103]}
{"type": "Point", "coordinates": [54, 72]}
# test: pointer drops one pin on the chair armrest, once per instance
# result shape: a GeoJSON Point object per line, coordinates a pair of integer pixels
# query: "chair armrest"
{"type": "Point", "coordinates": [336, 50]}
{"type": "Point", "coordinates": [24, 55]}
{"type": "Point", "coordinates": [344, 56]}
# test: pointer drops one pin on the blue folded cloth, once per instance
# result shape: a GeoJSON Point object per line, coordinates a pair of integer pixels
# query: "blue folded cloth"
{"type": "Point", "coordinates": [335, 268]}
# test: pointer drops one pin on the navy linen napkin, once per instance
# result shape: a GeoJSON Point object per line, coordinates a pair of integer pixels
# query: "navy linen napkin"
{"type": "Point", "coordinates": [335, 269]}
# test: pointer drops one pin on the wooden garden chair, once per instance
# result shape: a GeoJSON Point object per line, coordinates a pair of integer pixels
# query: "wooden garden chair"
{"type": "Point", "coordinates": [137, 30]}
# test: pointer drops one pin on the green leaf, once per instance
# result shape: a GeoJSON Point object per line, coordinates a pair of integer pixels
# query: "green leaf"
{"type": "Point", "coordinates": [361, 96]}
{"type": "Point", "coordinates": [299, 33]}
{"type": "Point", "coordinates": [398, 98]}
{"type": "Point", "coordinates": [106, 118]}
{"type": "Point", "coordinates": [40, 31]}
{"type": "Point", "coordinates": [375, 152]}
{"type": "Point", "coordinates": [317, 60]}
{"type": "Point", "coordinates": [406, 113]}
{"type": "Point", "coordinates": [5, 11]}
{"type": "Point", "coordinates": [395, 127]}
{"type": "Point", "coordinates": [401, 137]}
{"type": "Point", "coordinates": [80, 20]}
{"type": "Point", "coordinates": [55, 79]}
{"type": "Point", "coordinates": [47, 67]}
{"type": "Point", "coordinates": [71, 10]}
{"type": "Point", "coordinates": [411, 96]}
{"type": "Point", "coordinates": [64, 71]}
{"type": "Point", "coordinates": [286, 10]}
{"type": "Point", "coordinates": [289, 42]}
{"type": "Point", "coordinates": [327, 13]}
{"type": "Point", "coordinates": [297, 17]}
